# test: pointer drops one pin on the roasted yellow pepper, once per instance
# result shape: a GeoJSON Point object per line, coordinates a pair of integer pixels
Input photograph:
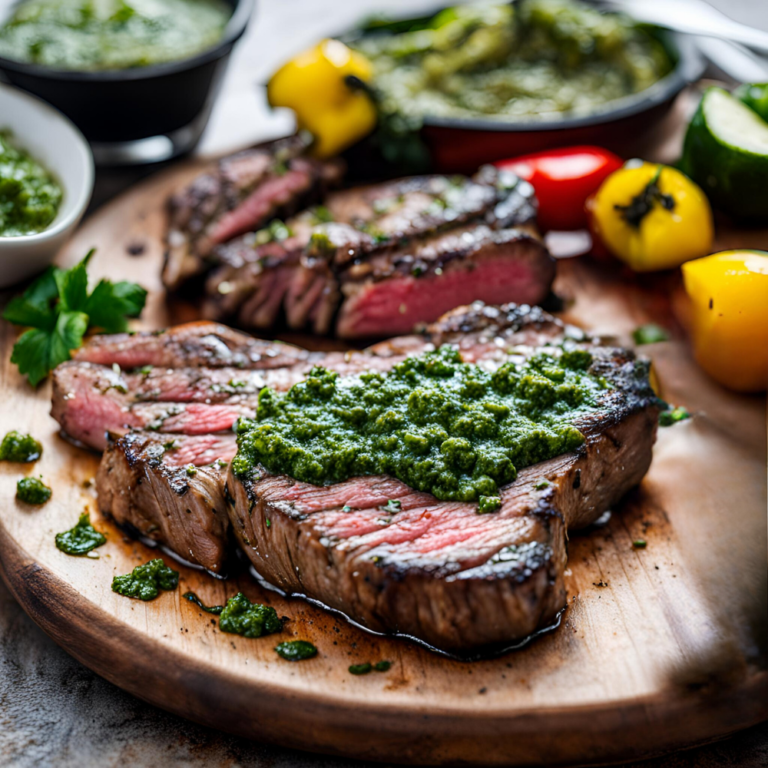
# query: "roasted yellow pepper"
{"type": "Point", "coordinates": [729, 317]}
{"type": "Point", "coordinates": [651, 217]}
{"type": "Point", "coordinates": [323, 87]}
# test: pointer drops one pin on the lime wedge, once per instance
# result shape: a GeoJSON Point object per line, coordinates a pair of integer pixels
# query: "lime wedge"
{"type": "Point", "coordinates": [726, 153]}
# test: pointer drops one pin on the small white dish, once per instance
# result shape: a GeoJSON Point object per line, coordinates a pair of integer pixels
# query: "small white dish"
{"type": "Point", "coordinates": [52, 140]}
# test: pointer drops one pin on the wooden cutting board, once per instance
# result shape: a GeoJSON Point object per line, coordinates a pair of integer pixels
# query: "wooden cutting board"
{"type": "Point", "coordinates": [659, 648]}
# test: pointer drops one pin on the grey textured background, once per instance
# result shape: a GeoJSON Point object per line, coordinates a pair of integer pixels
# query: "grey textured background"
{"type": "Point", "coordinates": [54, 711]}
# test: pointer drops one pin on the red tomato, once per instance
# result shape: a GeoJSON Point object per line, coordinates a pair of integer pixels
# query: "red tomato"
{"type": "Point", "coordinates": [563, 179]}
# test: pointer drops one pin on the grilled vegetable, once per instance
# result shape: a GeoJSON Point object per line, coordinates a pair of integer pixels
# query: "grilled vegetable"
{"type": "Point", "coordinates": [651, 217]}
{"type": "Point", "coordinates": [726, 151]}
{"type": "Point", "coordinates": [563, 179]}
{"type": "Point", "coordinates": [325, 87]}
{"type": "Point", "coordinates": [728, 319]}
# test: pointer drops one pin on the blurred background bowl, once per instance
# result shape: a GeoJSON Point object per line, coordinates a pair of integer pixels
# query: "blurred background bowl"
{"type": "Point", "coordinates": [139, 115]}
{"type": "Point", "coordinates": [56, 144]}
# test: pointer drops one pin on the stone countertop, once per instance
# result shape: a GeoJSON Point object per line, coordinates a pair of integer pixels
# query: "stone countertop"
{"type": "Point", "coordinates": [53, 710]}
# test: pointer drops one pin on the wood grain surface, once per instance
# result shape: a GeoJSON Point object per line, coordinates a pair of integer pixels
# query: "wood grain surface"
{"type": "Point", "coordinates": [659, 648]}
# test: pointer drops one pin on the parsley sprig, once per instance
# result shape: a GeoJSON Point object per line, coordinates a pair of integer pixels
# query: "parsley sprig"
{"type": "Point", "coordinates": [58, 310]}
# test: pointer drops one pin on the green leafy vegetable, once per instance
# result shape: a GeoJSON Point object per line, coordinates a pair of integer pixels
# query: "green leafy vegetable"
{"type": "Point", "coordinates": [649, 334]}
{"type": "Point", "coordinates": [146, 581]}
{"type": "Point", "coordinates": [242, 617]}
{"type": "Point", "coordinates": [81, 539]}
{"type": "Point", "coordinates": [58, 310]}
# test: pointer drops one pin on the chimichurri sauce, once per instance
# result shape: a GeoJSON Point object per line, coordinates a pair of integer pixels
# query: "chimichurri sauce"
{"type": "Point", "coordinates": [29, 195]}
{"type": "Point", "coordinates": [296, 650]}
{"type": "Point", "coordinates": [95, 35]}
{"type": "Point", "coordinates": [21, 448]}
{"type": "Point", "coordinates": [193, 598]}
{"type": "Point", "coordinates": [80, 539]}
{"type": "Point", "coordinates": [144, 582]}
{"type": "Point", "coordinates": [436, 423]}
{"type": "Point", "coordinates": [242, 617]}
{"type": "Point", "coordinates": [533, 59]}
{"type": "Point", "coordinates": [32, 490]}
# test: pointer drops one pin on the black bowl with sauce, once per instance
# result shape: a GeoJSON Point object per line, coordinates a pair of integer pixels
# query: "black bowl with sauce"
{"type": "Point", "coordinates": [140, 115]}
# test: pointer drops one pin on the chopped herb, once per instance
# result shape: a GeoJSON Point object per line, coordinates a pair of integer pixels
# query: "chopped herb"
{"type": "Point", "coordinates": [673, 415]}
{"type": "Point", "coordinates": [382, 666]}
{"type": "Point", "coordinates": [392, 505]}
{"type": "Point", "coordinates": [346, 508]}
{"type": "Point", "coordinates": [237, 383]}
{"type": "Point", "coordinates": [639, 544]}
{"type": "Point", "coordinates": [276, 231]}
{"type": "Point", "coordinates": [417, 271]}
{"type": "Point", "coordinates": [171, 445]}
{"type": "Point", "coordinates": [20, 448]}
{"type": "Point", "coordinates": [191, 470]}
{"type": "Point", "coordinates": [32, 490]}
{"type": "Point", "coordinates": [642, 204]}
{"type": "Point", "coordinates": [320, 242]}
{"type": "Point", "coordinates": [144, 582]}
{"type": "Point", "coordinates": [321, 215]}
{"type": "Point", "coordinates": [58, 310]}
{"type": "Point", "coordinates": [541, 485]}
{"type": "Point", "coordinates": [193, 598]}
{"type": "Point", "coordinates": [268, 523]}
{"type": "Point", "coordinates": [649, 334]}
{"type": "Point", "coordinates": [360, 669]}
{"type": "Point", "coordinates": [145, 370]}
{"type": "Point", "coordinates": [220, 463]}
{"type": "Point", "coordinates": [242, 617]}
{"type": "Point", "coordinates": [81, 539]}
{"type": "Point", "coordinates": [296, 650]}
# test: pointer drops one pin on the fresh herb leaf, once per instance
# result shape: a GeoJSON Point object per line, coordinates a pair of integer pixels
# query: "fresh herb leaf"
{"type": "Point", "coordinates": [58, 310]}
{"type": "Point", "coordinates": [673, 415]}
{"type": "Point", "coordinates": [80, 539]}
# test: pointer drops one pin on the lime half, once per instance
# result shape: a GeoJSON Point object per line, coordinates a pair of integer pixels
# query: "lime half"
{"type": "Point", "coordinates": [726, 153]}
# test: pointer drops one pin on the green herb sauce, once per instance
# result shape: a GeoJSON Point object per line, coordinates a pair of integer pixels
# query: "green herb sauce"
{"type": "Point", "coordinates": [81, 539]}
{"type": "Point", "coordinates": [193, 598]}
{"type": "Point", "coordinates": [296, 650]}
{"type": "Point", "coordinates": [360, 669]}
{"type": "Point", "coordinates": [673, 415]}
{"type": "Point", "coordinates": [20, 448]}
{"type": "Point", "coordinates": [146, 581]}
{"type": "Point", "coordinates": [529, 60]}
{"type": "Point", "coordinates": [29, 194]}
{"type": "Point", "coordinates": [97, 35]}
{"type": "Point", "coordinates": [242, 617]}
{"type": "Point", "coordinates": [32, 490]}
{"type": "Point", "coordinates": [438, 424]}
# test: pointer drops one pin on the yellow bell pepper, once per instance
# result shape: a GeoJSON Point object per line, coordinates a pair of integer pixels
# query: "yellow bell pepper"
{"type": "Point", "coordinates": [319, 86]}
{"type": "Point", "coordinates": [651, 217]}
{"type": "Point", "coordinates": [728, 318]}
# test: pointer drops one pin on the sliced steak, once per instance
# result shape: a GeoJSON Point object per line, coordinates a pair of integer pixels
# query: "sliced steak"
{"type": "Point", "coordinates": [438, 571]}
{"type": "Point", "coordinates": [179, 507]}
{"type": "Point", "coordinates": [244, 192]}
{"type": "Point", "coordinates": [446, 240]}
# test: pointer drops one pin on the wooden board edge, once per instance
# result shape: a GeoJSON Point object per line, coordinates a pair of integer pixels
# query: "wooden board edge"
{"type": "Point", "coordinates": [187, 687]}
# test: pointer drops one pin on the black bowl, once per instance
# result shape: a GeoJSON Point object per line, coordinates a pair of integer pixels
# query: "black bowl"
{"type": "Point", "coordinates": [139, 115]}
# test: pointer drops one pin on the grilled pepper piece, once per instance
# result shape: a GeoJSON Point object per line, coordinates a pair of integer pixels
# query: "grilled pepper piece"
{"type": "Point", "coordinates": [326, 88]}
{"type": "Point", "coordinates": [728, 319]}
{"type": "Point", "coordinates": [651, 217]}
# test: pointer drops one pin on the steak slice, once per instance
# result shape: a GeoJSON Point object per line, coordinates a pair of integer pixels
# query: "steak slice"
{"type": "Point", "coordinates": [437, 571]}
{"type": "Point", "coordinates": [179, 507]}
{"type": "Point", "coordinates": [446, 240]}
{"type": "Point", "coordinates": [244, 192]}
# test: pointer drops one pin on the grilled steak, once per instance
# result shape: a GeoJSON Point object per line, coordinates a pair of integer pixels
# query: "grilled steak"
{"type": "Point", "coordinates": [394, 255]}
{"type": "Point", "coordinates": [245, 192]}
{"type": "Point", "coordinates": [434, 570]}
{"type": "Point", "coordinates": [182, 508]}
{"type": "Point", "coordinates": [438, 571]}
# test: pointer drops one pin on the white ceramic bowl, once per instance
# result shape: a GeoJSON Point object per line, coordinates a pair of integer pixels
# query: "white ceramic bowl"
{"type": "Point", "coordinates": [54, 142]}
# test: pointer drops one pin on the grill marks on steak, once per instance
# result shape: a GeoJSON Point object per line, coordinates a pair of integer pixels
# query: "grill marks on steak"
{"type": "Point", "coordinates": [438, 571]}
{"type": "Point", "coordinates": [244, 192]}
{"type": "Point", "coordinates": [138, 487]}
{"type": "Point", "coordinates": [434, 570]}
{"type": "Point", "coordinates": [395, 255]}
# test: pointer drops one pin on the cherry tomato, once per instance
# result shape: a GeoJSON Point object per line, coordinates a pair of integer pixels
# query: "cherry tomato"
{"type": "Point", "coordinates": [563, 179]}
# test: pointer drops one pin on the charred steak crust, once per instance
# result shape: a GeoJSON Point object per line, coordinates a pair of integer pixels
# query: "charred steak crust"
{"type": "Point", "coordinates": [394, 255]}
{"type": "Point", "coordinates": [437, 571]}
{"type": "Point", "coordinates": [176, 506]}
{"type": "Point", "coordinates": [244, 192]}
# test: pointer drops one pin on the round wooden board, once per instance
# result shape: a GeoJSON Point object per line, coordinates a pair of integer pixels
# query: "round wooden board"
{"type": "Point", "coordinates": [659, 648]}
